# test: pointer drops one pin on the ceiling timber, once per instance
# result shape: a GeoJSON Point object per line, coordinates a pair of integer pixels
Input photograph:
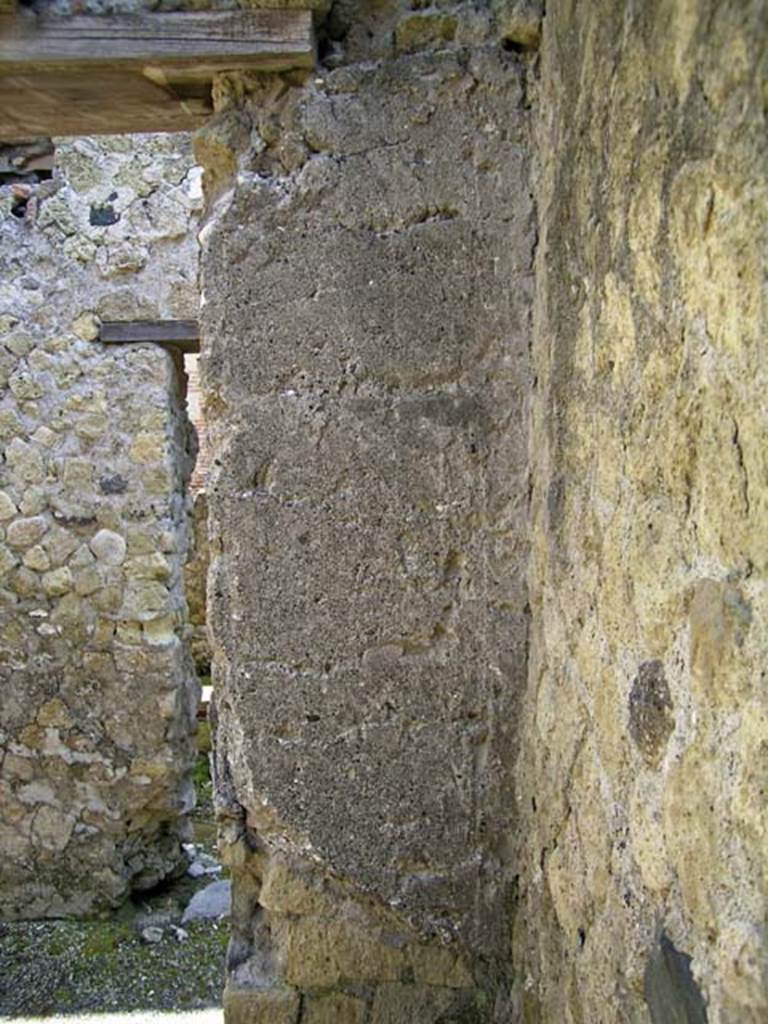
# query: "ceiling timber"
{"type": "Point", "coordinates": [89, 75]}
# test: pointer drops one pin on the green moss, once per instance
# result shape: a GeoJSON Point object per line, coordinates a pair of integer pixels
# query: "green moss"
{"type": "Point", "coordinates": [204, 737]}
{"type": "Point", "coordinates": [57, 945]}
{"type": "Point", "coordinates": [103, 939]}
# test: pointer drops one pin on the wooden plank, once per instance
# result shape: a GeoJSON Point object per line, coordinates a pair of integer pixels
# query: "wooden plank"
{"type": "Point", "coordinates": [186, 43]}
{"type": "Point", "coordinates": [97, 103]}
{"type": "Point", "coordinates": [182, 334]}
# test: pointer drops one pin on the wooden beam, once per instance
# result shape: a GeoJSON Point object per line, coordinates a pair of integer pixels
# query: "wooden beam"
{"type": "Point", "coordinates": [112, 74]}
{"type": "Point", "coordinates": [99, 103]}
{"type": "Point", "coordinates": [183, 43]}
{"type": "Point", "coordinates": [181, 334]}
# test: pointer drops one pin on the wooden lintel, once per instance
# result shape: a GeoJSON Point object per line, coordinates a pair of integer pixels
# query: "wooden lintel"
{"type": "Point", "coordinates": [181, 334]}
{"type": "Point", "coordinates": [90, 75]}
{"type": "Point", "coordinates": [200, 43]}
{"type": "Point", "coordinates": [97, 103]}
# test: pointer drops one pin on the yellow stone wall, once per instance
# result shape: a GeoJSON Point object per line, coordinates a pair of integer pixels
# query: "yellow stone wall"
{"type": "Point", "coordinates": [643, 775]}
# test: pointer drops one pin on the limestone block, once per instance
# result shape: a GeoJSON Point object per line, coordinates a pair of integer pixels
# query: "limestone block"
{"type": "Point", "coordinates": [86, 326]}
{"type": "Point", "coordinates": [161, 631]}
{"type": "Point", "coordinates": [90, 426]}
{"type": "Point", "coordinates": [418, 31]}
{"type": "Point", "coordinates": [437, 965]}
{"type": "Point", "coordinates": [34, 501]}
{"type": "Point", "coordinates": [7, 508]}
{"type": "Point", "coordinates": [109, 599]}
{"type": "Point", "coordinates": [145, 599]}
{"type": "Point", "coordinates": [23, 533]}
{"type": "Point", "coordinates": [419, 1004]}
{"type": "Point", "coordinates": [109, 547]}
{"type": "Point", "coordinates": [77, 474]}
{"type": "Point", "coordinates": [148, 447]}
{"type": "Point", "coordinates": [59, 543]}
{"type": "Point", "coordinates": [285, 892]}
{"type": "Point", "coordinates": [20, 345]}
{"type": "Point", "coordinates": [45, 436]}
{"type": "Point", "coordinates": [88, 581]}
{"type": "Point", "coordinates": [37, 559]}
{"type": "Point", "coordinates": [53, 827]}
{"type": "Point", "coordinates": [26, 462]}
{"type": "Point", "coordinates": [55, 713]}
{"type": "Point", "coordinates": [26, 385]}
{"type": "Point", "coordinates": [324, 953]}
{"type": "Point", "coordinates": [8, 560]}
{"type": "Point", "coordinates": [10, 425]}
{"type": "Point", "coordinates": [268, 1006]}
{"type": "Point", "coordinates": [148, 567]}
{"type": "Point", "coordinates": [334, 1009]}
{"type": "Point", "coordinates": [26, 583]}
{"type": "Point", "coordinates": [68, 614]}
{"type": "Point", "coordinates": [129, 632]}
{"type": "Point", "coordinates": [368, 513]}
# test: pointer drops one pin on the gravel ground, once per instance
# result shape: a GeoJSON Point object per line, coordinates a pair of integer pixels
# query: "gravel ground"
{"type": "Point", "coordinates": [193, 1017]}
{"type": "Point", "coordinates": [73, 969]}
{"type": "Point", "coordinates": [66, 967]}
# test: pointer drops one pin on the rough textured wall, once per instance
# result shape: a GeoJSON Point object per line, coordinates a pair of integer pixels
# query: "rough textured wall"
{"type": "Point", "coordinates": [97, 694]}
{"type": "Point", "coordinates": [642, 781]}
{"type": "Point", "coordinates": [196, 584]}
{"type": "Point", "coordinates": [367, 293]}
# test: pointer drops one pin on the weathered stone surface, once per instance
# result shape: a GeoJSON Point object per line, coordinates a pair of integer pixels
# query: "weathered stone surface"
{"type": "Point", "coordinates": [366, 371]}
{"type": "Point", "coordinates": [267, 1007]}
{"type": "Point", "coordinates": [334, 1009]}
{"type": "Point", "coordinates": [196, 584]}
{"type": "Point", "coordinates": [108, 547]}
{"type": "Point", "coordinates": [640, 781]}
{"type": "Point", "coordinates": [413, 1004]}
{"type": "Point", "coordinates": [97, 694]}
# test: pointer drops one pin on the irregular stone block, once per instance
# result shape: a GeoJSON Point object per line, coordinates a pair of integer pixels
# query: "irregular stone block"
{"type": "Point", "coordinates": [109, 547]}
{"type": "Point", "coordinates": [23, 533]}
{"type": "Point", "coordinates": [324, 953]}
{"type": "Point", "coordinates": [242, 1006]}
{"type": "Point", "coordinates": [334, 1009]}
{"type": "Point", "coordinates": [418, 1004]}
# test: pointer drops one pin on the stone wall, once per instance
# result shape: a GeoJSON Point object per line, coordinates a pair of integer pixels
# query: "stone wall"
{"type": "Point", "coordinates": [643, 773]}
{"type": "Point", "coordinates": [367, 298]}
{"type": "Point", "coordinates": [98, 695]}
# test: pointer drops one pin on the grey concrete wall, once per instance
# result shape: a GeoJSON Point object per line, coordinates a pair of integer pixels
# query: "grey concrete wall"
{"type": "Point", "coordinates": [367, 301]}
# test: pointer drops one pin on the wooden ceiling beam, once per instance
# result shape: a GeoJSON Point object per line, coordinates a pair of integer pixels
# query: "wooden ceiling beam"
{"type": "Point", "coordinates": [95, 103]}
{"type": "Point", "coordinates": [195, 42]}
{"type": "Point", "coordinates": [89, 75]}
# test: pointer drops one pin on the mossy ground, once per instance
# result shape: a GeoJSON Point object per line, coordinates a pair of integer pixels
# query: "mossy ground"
{"type": "Point", "coordinates": [67, 967]}
{"type": "Point", "coordinates": [64, 967]}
